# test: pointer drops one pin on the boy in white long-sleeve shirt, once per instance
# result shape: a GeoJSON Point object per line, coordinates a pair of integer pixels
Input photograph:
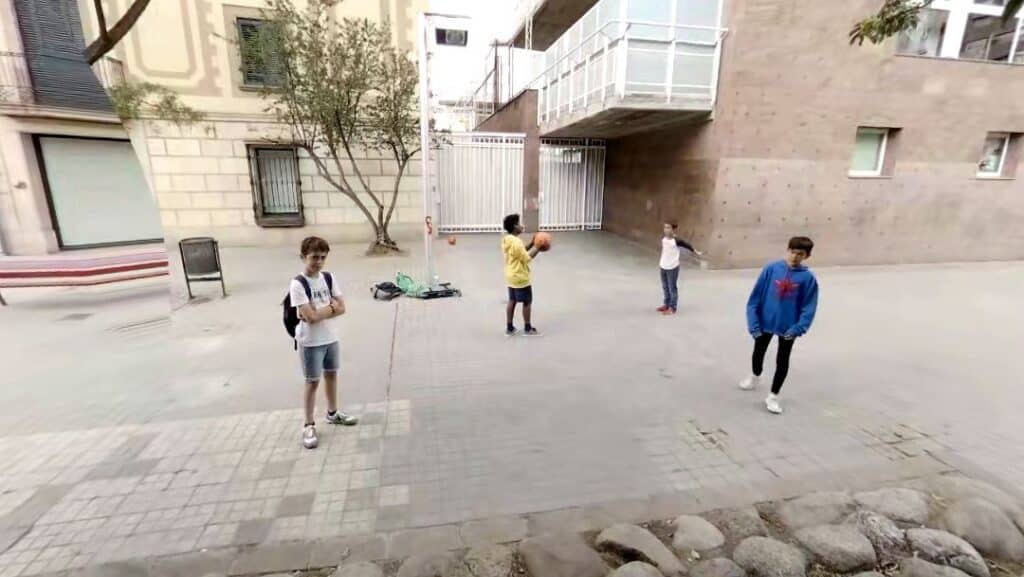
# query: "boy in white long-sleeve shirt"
{"type": "Point", "coordinates": [670, 246]}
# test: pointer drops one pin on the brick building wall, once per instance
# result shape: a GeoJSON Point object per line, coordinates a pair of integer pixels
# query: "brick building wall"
{"type": "Point", "coordinates": [774, 161]}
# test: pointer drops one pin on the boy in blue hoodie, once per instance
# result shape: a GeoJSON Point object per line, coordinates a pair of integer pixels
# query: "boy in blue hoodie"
{"type": "Point", "coordinates": [782, 303]}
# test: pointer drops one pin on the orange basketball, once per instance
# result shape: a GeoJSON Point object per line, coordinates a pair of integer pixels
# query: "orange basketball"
{"type": "Point", "coordinates": [542, 241]}
{"type": "Point", "coordinates": [451, 240]}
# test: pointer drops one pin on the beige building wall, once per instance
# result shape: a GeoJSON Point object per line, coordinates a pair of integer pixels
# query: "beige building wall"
{"type": "Point", "coordinates": [202, 180]}
{"type": "Point", "coordinates": [201, 174]}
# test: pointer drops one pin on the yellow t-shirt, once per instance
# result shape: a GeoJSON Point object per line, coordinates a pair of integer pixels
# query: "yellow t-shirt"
{"type": "Point", "coordinates": [517, 262]}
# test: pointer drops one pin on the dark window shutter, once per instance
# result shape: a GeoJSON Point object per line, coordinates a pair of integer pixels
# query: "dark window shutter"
{"type": "Point", "coordinates": [51, 31]}
{"type": "Point", "coordinates": [260, 64]}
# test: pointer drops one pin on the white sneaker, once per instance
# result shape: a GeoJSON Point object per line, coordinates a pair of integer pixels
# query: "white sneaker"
{"type": "Point", "coordinates": [772, 404]}
{"type": "Point", "coordinates": [342, 418]}
{"type": "Point", "coordinates": [309, 439]}
{"type": "Point", "coordinates": [750, 383]}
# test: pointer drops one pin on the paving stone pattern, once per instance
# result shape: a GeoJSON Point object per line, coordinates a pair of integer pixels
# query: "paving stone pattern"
{"type": "Point", "coordinates": [178, 437]}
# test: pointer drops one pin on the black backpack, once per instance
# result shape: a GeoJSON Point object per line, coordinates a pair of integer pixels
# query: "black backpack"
{"type": "Point", "coordinates": [291, 313]}
{"type": "Point", "coordinates": [386, 291]}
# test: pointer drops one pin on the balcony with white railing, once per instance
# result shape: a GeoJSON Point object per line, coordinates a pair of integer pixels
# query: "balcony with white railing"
{"type": "Point", "coordinates": [507, 71]}
{"type": "Point", "coordinates": [632, 65]}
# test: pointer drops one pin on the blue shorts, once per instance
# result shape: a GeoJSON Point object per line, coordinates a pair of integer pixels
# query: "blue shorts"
{"type": "Point", "coordinates": [319, 360]}
{"type": "Point", "coordinates": [520, 295]}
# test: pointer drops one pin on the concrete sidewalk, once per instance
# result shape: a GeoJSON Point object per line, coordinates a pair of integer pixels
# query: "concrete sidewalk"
{"type": "Point", "coordinates": [129, 435]}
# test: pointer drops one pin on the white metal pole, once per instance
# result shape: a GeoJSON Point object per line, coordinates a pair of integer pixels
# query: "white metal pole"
{"type": "Point", "coordinates": [428, 239]}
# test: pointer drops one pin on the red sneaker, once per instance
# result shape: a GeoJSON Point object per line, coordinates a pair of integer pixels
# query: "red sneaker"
{"type": "Point", "coordinates": [668, 311]}
{"type": "Point", "coordinates": [662, 308]}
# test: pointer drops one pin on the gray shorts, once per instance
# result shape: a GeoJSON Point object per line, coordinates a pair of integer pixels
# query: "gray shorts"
{"type": "Point", "coordinates": [319, 360]}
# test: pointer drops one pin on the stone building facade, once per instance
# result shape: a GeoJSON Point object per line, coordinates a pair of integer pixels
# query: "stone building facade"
{"type": "Point", "coordinates": [211, 178]}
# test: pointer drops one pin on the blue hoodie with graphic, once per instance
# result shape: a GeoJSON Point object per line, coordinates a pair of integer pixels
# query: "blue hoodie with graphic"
{"type": "Point", "coordinates": [783, 301]}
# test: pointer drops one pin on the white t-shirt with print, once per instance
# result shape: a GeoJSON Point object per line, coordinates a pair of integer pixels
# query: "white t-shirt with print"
{"type": "Point", "coordinates": [321, 333]}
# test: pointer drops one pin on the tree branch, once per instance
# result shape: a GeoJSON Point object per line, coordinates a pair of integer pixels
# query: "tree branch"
{"type": "Point", "coordinates": [321, 168]}
{"type": "Point", "coordinates": [359, 173]}
{"type": "Point", "coordinates": [107, 40]}
{"type": "Point", "coordinates": [394, 194]}
{"type": "Point", "coordinates": [101, 20]}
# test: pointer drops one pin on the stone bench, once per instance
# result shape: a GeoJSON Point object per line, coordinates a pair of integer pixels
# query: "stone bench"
{"type": "Point", "coordinates": [68, 269]}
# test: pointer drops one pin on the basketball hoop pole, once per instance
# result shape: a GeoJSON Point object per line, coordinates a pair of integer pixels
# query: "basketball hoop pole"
{"type": "Point", "coordinates": [425, 176]}
{"type": "Point", "coordinates": [426, 182]}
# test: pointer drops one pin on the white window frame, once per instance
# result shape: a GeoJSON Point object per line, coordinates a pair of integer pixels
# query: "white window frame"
{"type": "Point", "coordinates": [1007, 140]}
{"type": "Point", "coordinates": [882, 149]}
{"type": "Point", "coordinates": [959, 13]}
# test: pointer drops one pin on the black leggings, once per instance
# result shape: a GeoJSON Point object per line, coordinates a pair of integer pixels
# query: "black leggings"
{"type": "Point", "coordinates": [781, 358]}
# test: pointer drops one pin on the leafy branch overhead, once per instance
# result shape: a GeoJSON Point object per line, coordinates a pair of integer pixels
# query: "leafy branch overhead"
{"type": "Point", "coordinates": [136, 100]}
{"type": "Point", "coordinates": [342, 88]}
{"type": "Point", "coordinates": [898, 16]}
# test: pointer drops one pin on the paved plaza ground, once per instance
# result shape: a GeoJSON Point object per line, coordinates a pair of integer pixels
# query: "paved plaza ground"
{"type": "Point", "coordinates": [127, 432]}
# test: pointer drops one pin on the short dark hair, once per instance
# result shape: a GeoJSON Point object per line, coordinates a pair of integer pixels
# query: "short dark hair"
{"type": "Point", "coordinates": [673, 223]}
{"type": "Point", "coordinates": [801, 243]}
{"type": "Point", "coordinates": [511, 222]}
{"type": "Point", "coordinates": [312, 244]}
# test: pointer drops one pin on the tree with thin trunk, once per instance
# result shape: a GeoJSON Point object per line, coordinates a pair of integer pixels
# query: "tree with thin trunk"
{"type": "Point", "coordinates": [342, 87]}
{"type": "Point", "coordinates": [109, 37]}
{"type": "Point", "coordinates": [897, 16]}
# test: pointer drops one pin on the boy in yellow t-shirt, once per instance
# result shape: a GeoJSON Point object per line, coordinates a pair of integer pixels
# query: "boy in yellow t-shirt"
{"type": "Point", "coordinates": [517, 274]}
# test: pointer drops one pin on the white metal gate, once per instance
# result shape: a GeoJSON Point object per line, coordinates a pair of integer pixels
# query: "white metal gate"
{"type": "Point", "coordinates": [571, 184]}
{"type": "Point", "coordinates": [480, 180]}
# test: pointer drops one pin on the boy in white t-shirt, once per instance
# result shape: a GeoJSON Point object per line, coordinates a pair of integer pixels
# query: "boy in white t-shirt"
{"type": "Point", "coordinates": [669, 263]}
{"type": "Point", "coordinates": [317, 298]}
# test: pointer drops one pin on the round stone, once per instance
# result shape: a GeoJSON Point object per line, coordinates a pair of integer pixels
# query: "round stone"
{"type": "Point", "coordinates": [637, 569]}
{"type": "Point", "coordinates": [985, 526]}
{"type": "Point", "coordinates": [816, 509]}
{"type": "Point", "coordinates": [889, 540]}
{"type": "Point", "coordinates": [899, 504]}
{"type": "Point", "coordinates": [695, 534]}
{"type": "Point", "coordinates": [720, 567]}
{"type": "Point", "coordinates": [639, 543]}
{"type": "Point", "coordinates": [738, 524]}
{"type": "Point", "coordinates": [944, 548]}
{"type": "Point", "coordinates": [765, 557]}
{"type": "Point", "coordinates": [913, 567]}
{"type": "Point", "coordinates": [838, 547]}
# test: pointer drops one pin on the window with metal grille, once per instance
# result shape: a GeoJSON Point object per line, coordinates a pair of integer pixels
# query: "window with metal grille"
{"type": "Point", "coordinates": [276, 186]}
{"type": "Point", "coordinates": [259, 62]}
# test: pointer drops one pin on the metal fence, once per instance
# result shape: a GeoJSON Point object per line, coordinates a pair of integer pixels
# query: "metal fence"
{"type": "Point", "coordinates": [480, 180]}
{"type": "Point", "coordinates": [571, 184]}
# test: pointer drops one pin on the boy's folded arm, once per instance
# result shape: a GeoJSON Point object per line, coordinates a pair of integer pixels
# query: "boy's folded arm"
{"type": "Point", "coordinates": [308, 314]}
{"type": "Point", "coordinates": [339, 307]}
